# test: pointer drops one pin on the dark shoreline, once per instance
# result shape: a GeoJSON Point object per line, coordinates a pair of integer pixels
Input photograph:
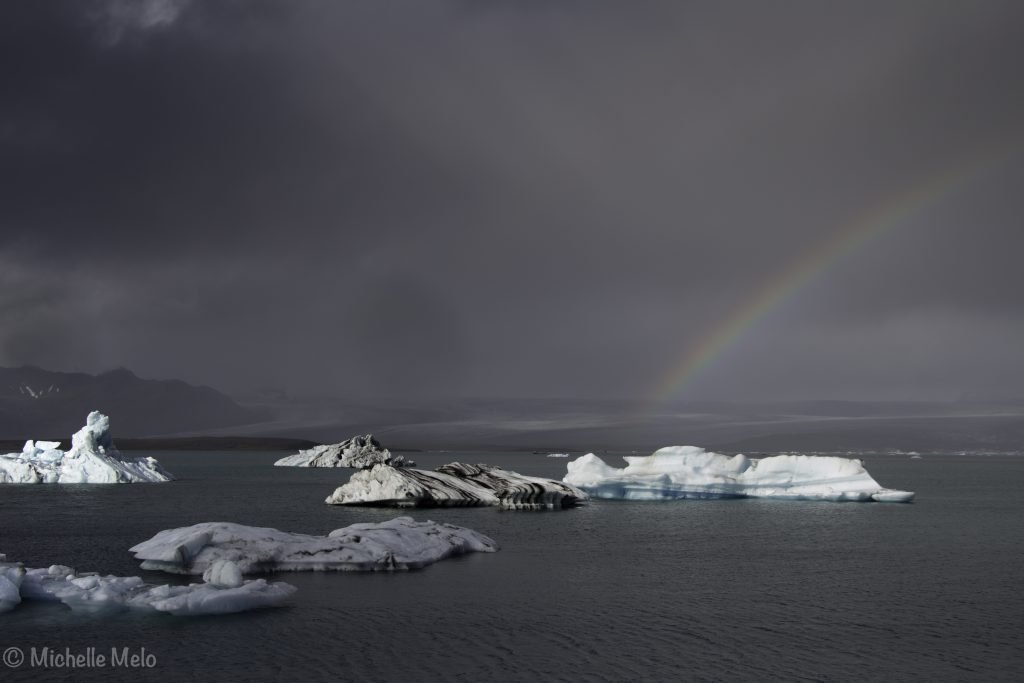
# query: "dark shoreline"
{"type": "Point", "coordinates": [195, 443]}
{"type": "Point", "coordinates": [185, 443]}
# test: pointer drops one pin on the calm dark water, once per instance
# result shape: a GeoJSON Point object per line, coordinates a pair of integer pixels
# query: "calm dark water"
{"type": "Point", "coordinates": [693, 590]}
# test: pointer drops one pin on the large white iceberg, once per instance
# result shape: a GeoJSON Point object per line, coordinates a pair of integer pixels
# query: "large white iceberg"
{"type": "Point", "coordinates": [223, 591]}
{"type": "Point", "coordinates": [93, 459]}
{"type": "Point", "coordinates": [400, 543]}
{"type": "Point", "coordinates": [678, 472]}
{"type": "Point", "coordinates": [359, 452]}
{"type": "Point", "coordinates": [455, 484]}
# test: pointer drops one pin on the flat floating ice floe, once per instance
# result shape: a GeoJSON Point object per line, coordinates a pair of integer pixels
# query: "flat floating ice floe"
{"type": "Point", "coordinates": [93, 459]}
{"type": "Point", "coordinates": [681, 472]}
{"type": "Point", "coordinates": [223, 591]}
{"type": "Point", "coordinates": [455, 485]}
{"type": "Point", "coordinates": [400, 543]}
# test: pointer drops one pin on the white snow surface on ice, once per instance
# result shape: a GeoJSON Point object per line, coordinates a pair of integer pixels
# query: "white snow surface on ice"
{"type": "Point", "coordinates": [93, 459]}
{"type": "Point", "coordinates": [678, 472]}
{"type": "Point", "coordinates": [400, 543]}
{"type": "Point", "coordinates": [226, 593]}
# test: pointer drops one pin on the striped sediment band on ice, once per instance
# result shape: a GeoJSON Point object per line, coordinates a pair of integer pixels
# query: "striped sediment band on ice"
{"type": "Point", "coordinates": [517, 491]}
{"type": "Point", "coordinates": [455, 485]}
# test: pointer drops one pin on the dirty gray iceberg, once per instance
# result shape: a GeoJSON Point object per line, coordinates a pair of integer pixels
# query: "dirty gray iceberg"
{"type": "Point", "coordinates": [93, 459]}
{"type": "Point", "coordinates": [224, 591]}
{"type": "Point", "coordinates": [359, 452]}
{"type": "Point", "coordinates": [679, 472]}
{"type": "Point", "coordinates": [400, 543]}
{"type": "Point", "coordinates": [455, 484]}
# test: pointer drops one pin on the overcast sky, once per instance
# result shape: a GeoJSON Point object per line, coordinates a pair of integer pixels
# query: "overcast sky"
{"type": "Point", "coordinates": [511, 198]}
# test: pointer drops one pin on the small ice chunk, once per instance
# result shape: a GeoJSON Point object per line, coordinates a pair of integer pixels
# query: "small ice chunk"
{"type": "Point", "coordinates": [224, 573]}
{"type": "Point", "coordinates": [11, 577]}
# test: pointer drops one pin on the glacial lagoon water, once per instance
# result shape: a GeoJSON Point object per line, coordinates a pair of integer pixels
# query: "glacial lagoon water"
{"type": "Point", "coordinates": [692, 590]}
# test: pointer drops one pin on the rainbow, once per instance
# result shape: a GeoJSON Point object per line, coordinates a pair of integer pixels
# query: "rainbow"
{"type": "Point", "coordinates": [895, 211]}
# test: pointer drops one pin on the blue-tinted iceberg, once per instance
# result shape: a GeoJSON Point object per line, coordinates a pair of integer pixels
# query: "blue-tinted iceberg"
{"type": "Point", "coordinates": [93, 459]}
{"type": "Point", "coordinates": [680, 472]}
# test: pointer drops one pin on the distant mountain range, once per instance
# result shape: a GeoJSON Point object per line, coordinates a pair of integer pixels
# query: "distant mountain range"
{"type": "Point", "coordinates": [37, 403]}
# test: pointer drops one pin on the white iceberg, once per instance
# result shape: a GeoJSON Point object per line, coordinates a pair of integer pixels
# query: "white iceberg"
{"type": "Point", "coordinates": [455, 484]}
{"type": "Point", "coordinates": [93, 459]}
{"type": "Point", "coordinates": [224, 592]}
{"type": "Point", "coordinates": [359, 452]}
{"type": "Point", "coordinates": [401, 543]}
{"type": "Point", "coordinates": [558, 455]}
{"type": "Point", "coordinates": [679, 472]}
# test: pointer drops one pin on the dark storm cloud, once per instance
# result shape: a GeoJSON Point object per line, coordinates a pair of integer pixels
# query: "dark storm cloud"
{"type": "Point", "coordinates": [527, 198]}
